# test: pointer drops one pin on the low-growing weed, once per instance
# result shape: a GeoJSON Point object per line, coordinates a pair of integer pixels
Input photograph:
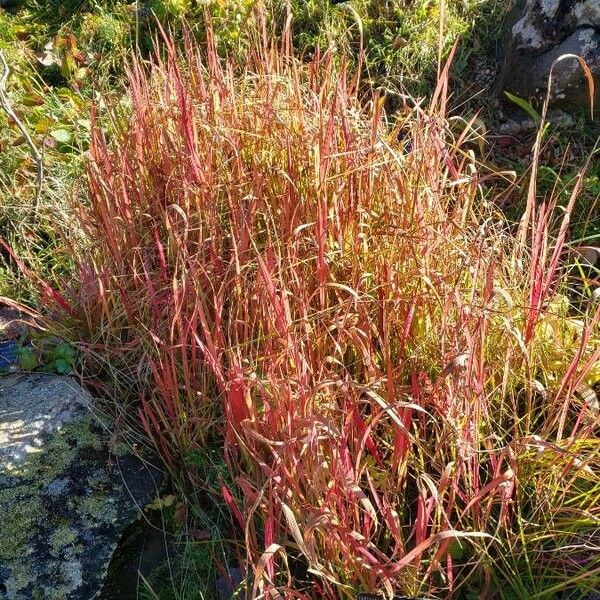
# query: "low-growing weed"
{"type": "Point", "coordinates": [39, 353]}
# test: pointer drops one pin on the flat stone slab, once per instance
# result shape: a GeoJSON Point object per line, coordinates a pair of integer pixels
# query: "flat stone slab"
{"type": "Point", "coordinates": [66, 493]}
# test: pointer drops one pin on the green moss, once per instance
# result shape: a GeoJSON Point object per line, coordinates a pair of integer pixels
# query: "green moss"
{"type": "Point", "coordinates": [120, 449]}
{"type": "Point", "coordinates": [20, 491]}
{"type": "Point", "coordinates": [82, 435]}
{"type": "Point", "coordinates": [57, 593]}
{"type": "Point", "coordinates": [56, 459]}
{"type": "Point", "coordinates": [60, 451]}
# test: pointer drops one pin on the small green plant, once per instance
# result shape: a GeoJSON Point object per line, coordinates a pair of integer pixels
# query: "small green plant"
{"type": "Point", "coordinates": [46, 354]}
{"type": "Point", "coordinates": [169, 8]}
{"type": "Point", "coordinates": [526, 106]}
{"type": "Point", "coordinates": [62, 358]}
{"type": "Point", "coordinates": [27, 358]}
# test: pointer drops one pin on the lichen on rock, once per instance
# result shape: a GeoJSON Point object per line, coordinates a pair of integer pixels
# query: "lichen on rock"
{"type": "Point", "coordinates": [587, 13]}
{"type": "Point", "coordinates": [64, 506]}
{"type": "Point", "coordinates": [549, 7]}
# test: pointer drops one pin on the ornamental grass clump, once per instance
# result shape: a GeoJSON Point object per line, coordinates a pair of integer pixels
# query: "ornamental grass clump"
{"type": "Point", "coordinates": [394, 373]}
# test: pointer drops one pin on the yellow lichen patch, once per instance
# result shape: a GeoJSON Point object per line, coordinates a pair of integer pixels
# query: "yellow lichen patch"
{"type": "Point", "coordinates": [21, 509]}
{"type": "Point", "coordinates": [22, 501]}
{"type": "Point", "coordinates": [96, 509]}
{"type": "Point", "coordinates": [61, 538]}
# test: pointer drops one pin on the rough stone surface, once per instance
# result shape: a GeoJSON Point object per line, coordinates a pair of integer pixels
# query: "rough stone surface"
{"type": "Point", "coordinates": [65, 499]}
{"type": "Point", "coordinates": [539, 32]}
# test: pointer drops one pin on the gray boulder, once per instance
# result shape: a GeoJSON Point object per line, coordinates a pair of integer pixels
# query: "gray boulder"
{"type": "Point", "coordinates": [66, 493]}
{"type": "Point", "coordinates": [540, 31]}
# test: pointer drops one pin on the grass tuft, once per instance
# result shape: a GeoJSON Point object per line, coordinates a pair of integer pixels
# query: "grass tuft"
{"type": "Point", "coordinates": [323, 288]}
